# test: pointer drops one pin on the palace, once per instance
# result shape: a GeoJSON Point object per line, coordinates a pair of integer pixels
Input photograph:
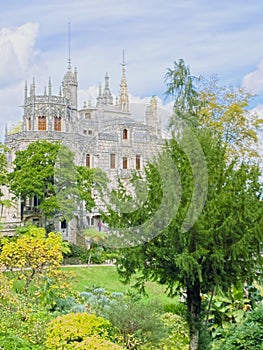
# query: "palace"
{"type": "Point", "coordinates": [104, 135]}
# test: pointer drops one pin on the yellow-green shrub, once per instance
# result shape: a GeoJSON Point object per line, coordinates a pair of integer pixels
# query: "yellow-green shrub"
{"type": "Point", "coordinates": [69, 331]}
{"type": "Point", "coordinates": [95, 343]}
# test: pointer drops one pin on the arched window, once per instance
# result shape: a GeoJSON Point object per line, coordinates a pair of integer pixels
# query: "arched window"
{"type": "Point", "coordinates": [57, 123]}
{"type": "Point", "coordinates": [42, 123]}
{"type": "Point", "coordinates": [125, 134]}
{"type": "Point", "coordinates": [88, 160]}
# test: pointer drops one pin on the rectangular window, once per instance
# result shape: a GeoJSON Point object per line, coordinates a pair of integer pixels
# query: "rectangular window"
{"type": "Point", "coordinates": [42, 123]}
{"type": "Point", "coordinates": [124, 163]}
{"type": "Point", "coordinates": [88, 160]}
{"type": "Point", "coordinates": [57, 124]}
{"type": "Point", "coordinates": [138, 162]}
{"type": "Point", "coordinates": [113, 161]}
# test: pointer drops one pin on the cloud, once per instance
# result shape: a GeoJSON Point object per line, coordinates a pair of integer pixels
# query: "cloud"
{"type": "Point", "coordinates": [254, 81]}
{"type": "Point", "coordinates": [19, 60]}
{"type": "Point", "coordinates": [18, 55]}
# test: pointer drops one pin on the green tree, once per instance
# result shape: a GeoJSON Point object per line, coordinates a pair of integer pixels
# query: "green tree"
{"type": "Point", "coordinates": [225, 110]}
{"type": "Point", "coordinates": [32, 255]}
{"type": "Point", "coordinates": [3, 170]}
{"type": "Point", "coordinates": [33, 175]}
{"type": "Point", "coordinates": [221, 248]}
{"type": "Point", "coordinates": [85, 177]}
{"type": "Point", "coordinates": [46, 171]}
{"type": "Point", "coordinates": [93, 237]}
{"type": "Point", "coordinates": [184, 90]}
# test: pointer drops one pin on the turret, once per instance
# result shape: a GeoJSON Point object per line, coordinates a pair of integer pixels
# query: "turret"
{"type": "Point", "coordinates": [152, 116]}
{"type": "Point", "coordinates": [107, 96]}
{"type": "Point", "coordinates": [70, 87]}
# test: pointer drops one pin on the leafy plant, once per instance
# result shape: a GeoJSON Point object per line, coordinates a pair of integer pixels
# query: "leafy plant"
{"type": "Point", "coordinates": [245, 335]}
{"type": "Point", "coordinates": [32, 254]}
{"type": "Point", "coordinates": [72, 329]}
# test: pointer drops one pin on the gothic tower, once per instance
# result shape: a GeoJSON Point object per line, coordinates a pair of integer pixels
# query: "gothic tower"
{"type": "Point", "coordinates": [70, 87]}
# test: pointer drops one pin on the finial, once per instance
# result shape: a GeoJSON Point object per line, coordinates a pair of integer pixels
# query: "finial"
{"type": "Point", "coordinates": [84, 105]}
{"type": "Point", "coordinates": [45, 90]}
{"type": "Point", "coordinates": [25, 90]}
{"type": "Point", "coordinates": [107, 78]}
{"type": "Point", "coordinates": [60, 91]}
{"type": "Point", "coordinates": [123, 58]}
{"type": "Point", "coordinates": [89, 103]}
{"type": "Point", "coordinates": [49, 86]}
{"type": "Point", "coordinates": [69, 58]}
{"type": "Point", "coordinates": [33, 87]}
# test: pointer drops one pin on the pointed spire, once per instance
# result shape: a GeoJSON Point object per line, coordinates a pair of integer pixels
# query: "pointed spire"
{"type": "Point", "coordinates": [25, 91]}
{"type": "Point", "coordinates": [69, 58]}
{"type": "Point", "coordinates": [107, 96]}
{"type": "Point", "coordinates": [107, 81]}
{"type": "Point", "coordinates": [33, 88]}
{"type": "Point", "coordinates": [49, 87]}
{"type": "Point", "coordinates": [124, 98]}
{"type": "Point", "coordinates": [99, 98]}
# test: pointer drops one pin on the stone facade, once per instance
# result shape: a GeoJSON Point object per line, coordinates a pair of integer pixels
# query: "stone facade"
{"type": "Point", "coordinates": [104, 136]}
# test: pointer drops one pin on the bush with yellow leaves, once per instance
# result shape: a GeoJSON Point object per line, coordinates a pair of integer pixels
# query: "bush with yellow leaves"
{"type": "Point", "coordinates": [80, 331]}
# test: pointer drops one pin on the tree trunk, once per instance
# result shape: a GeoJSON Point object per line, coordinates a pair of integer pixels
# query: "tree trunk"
{"type": "Point", "coordinates": [193, 300]}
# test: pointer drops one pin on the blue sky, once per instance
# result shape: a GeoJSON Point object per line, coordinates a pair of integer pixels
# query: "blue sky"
{"type": "Point", "coordinates": [213, 37]}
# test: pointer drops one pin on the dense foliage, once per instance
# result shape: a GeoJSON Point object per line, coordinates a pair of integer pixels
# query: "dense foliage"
{"type": "Point", "coordinates": [67, 331]}
{"type": "Point", "coordinates": [244, 335]}
{"type": "Point", "coordinates": [32, 254]}
{"type": "Point", "coordinates": [46, 172]}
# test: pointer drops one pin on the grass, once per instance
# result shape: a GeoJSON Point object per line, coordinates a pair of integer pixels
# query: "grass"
{"type": "Point", "coordinates": [107, 277]}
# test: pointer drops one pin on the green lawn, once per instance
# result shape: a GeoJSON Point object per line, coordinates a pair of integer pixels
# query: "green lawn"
{"type": "Point", "coordinates": [107, 277]}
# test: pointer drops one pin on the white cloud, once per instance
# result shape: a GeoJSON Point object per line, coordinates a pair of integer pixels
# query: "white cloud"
{"type": "Point", "coordinates": [19, 60]}
{"type": "Point", "coordinates": [18, 55]}
{"type": "Point", "coordinates": [254, 81]}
